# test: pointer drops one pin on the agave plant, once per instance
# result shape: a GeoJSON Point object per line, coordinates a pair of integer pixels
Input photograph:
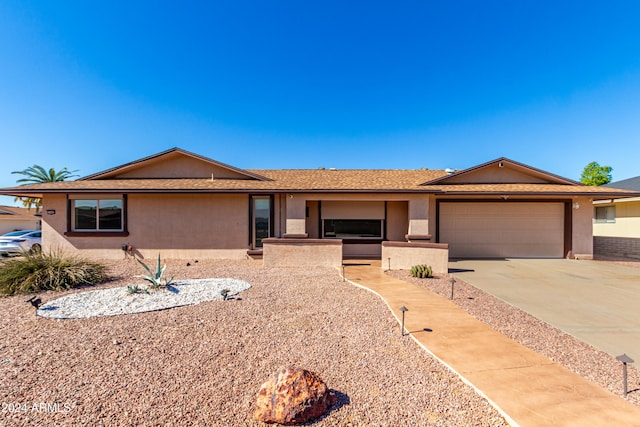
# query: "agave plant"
{"type": "Point", "coordinates": [135, 289]}
{"type": "Point", "coordinates": [157, 279]}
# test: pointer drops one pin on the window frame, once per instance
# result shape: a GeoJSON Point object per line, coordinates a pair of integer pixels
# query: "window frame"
{"type": "Point", "coordinates": [252, 219]}
{"type": "Point", "coordinates": [607, 217]}
{"type": "Point", "coordinates": [71, 216]}
{"type": "Point", "coordinates": [353, 237]}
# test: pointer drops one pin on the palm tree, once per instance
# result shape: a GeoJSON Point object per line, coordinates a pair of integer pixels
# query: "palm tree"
{"type": "Point", "coordinates": [37, 175]}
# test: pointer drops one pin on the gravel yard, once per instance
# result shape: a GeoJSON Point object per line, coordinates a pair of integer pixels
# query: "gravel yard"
{"type": "Point", "coordinates": [203, 364]}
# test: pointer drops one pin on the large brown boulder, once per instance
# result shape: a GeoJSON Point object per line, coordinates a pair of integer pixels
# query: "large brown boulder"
{"type": "Point", "coordinates": [292, 396]}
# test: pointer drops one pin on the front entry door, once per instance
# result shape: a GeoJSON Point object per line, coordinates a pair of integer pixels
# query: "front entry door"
{"type": "Point", "coordinates": [261, 221]}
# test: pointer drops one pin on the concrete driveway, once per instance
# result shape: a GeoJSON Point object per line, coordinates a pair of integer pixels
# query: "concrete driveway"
{"type": "Point", "coordinates": [596, 302]}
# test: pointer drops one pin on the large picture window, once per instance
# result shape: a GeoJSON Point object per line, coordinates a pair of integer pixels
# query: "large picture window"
{"type": "Point", "coordinates": [97, 215]}
{"type": "Point", "coordinates": [353, 228]}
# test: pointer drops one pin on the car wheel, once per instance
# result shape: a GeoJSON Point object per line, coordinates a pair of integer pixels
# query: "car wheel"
{"type": "Point", "coordinates": [36, 248]}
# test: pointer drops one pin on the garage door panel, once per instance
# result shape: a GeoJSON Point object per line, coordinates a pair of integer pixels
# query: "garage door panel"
{"type": "Point", "coordinates": [485, 230]}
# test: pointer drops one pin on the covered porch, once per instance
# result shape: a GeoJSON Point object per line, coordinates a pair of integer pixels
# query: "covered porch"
{"type": "Point", "coordinates": [325, 229]}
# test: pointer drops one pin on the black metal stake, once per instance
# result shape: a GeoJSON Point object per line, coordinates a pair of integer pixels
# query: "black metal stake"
{"type": "Point", "coordinates": [389, 264]}
{"type": "Point", "coordinates": [624, 359]}
{"type": "Point", "coordinates": [344, 278]}
{"type": "Point", "coordinates": [453, 281]}
{"type": "Point", "coordinates": [403, 309]}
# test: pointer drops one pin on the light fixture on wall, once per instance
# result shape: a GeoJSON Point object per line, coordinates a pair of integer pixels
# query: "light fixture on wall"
{"type": "Point", "coordinates": [576, 205]}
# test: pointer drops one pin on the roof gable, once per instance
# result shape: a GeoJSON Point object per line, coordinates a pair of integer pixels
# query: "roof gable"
{"type": "Point", "coordinates": [501, 171]}
{"type": "Point", "coordinates": [175, 164]}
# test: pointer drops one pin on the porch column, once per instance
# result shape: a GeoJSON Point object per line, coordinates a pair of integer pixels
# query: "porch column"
{"type": "Point", "coordinates": [418, 219]}
{"type": "Point", "coordinates": [296, 216]}
{"type": "Point", "coordinates": [582, 228]}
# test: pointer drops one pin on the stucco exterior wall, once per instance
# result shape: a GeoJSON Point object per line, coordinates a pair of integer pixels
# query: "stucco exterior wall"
{"type": "Point", "coordinates": [627, 222]}
{"type": "Point", "coordinates": [313, 219]}
{"type": "Point", "coordinates": [177, 226]}
{"type": "Point", "coordinates": [433, 222]}
{"type": "Point", "coordinates": [302, 252]}
{"type": "Point", "coordinates": [8, 225]}
{"type": "Point", "coordinates": [494, 173]}
{"type": "Point", "coordinates": [419, 216]}
{"type": "Point", "coordinates": [279, 208]}
{"type": "Point", "coordinates": [352, 206]}
{"type": "Point", "coordinates": [352, 210]}
{"type": "Point", "coordinates": [582, 228]}
{"type": "Point", "coordinates": [397, 220]}
{"type": "Point", "coordinates": [364, 250]}
{"type": "Point", "coordinates": [404, 255]}
{"type": "Point", "coordinates": [54, 226]}
{"type": "Point", "coordinates": [179, 166]}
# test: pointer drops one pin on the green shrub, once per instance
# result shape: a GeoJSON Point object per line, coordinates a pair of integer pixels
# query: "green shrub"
{"type": "Point", "coordinates": [422, 271]}
{"type": "Point", "coordinates": [40, 271]}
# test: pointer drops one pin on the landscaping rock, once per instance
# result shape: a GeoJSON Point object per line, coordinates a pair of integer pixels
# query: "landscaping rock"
{"type": "Point", "coordinates": [292, 396]}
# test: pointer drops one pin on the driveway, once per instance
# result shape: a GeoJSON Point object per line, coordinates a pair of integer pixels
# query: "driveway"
{"type": "Point", "coordinates": [596, 302]}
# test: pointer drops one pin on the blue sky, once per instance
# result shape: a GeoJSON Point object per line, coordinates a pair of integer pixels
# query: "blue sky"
{"type": "Point", "coordinates": [361, 84]}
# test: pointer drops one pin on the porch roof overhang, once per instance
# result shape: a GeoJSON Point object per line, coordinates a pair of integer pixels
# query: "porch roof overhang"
{"type": "Point", "coordinates": [204, 186]}
{"type": "Point", "coordinates": [535, 190]}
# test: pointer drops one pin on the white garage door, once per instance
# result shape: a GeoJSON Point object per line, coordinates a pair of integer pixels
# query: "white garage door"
{"type": "Point", "coordinates": [502, 230]}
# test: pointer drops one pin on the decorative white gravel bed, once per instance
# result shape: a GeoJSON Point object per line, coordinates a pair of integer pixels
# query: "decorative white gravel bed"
{"type": "Point", "coordinates": [117, 301]}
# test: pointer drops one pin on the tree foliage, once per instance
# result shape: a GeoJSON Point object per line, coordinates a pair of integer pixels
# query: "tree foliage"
{"type": "Point", "coordinates": [594, 174]}
{"type": "Point", "coordinates": [37, 175]}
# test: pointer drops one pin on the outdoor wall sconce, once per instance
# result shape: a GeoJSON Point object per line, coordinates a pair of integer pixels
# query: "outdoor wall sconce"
{"type": "Point", "coordinates": [576, 205]}
{"type": "Point", "coordinates": [403, 309]}
{"type": "Point", "coordinates": [51, 211]}
{"type": "Point", "coordinates": [624, 359]}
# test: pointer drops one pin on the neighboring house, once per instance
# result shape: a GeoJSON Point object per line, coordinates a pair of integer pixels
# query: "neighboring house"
{"type": "Point", "coordinates": [188, 206]}
{"type": "Point", "coordinates": [616, 222]}
{"type": "Point", "coordinates": [14, 219]}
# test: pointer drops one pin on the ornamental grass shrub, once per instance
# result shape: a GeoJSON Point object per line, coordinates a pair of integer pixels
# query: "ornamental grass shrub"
{"type": "Point", "coordinates": [34, 272]}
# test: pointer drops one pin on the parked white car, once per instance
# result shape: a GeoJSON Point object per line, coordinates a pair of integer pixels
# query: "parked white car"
{"type": "Point", "coordinates": [17, 242]}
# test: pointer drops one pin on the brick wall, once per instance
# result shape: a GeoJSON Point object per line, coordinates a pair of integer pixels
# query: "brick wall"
{"type": "Point", "coordinates": [616, 246]}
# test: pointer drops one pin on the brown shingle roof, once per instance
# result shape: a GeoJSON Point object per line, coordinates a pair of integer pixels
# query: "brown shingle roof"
{"type": "Point", "coordinates": [315, 180]}
{"type": "Point", "coordinates": [350, 179]}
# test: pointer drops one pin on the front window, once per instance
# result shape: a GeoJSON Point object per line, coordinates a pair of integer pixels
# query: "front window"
{"type": "Point", "coordinates": [605, 214]}
{"type": "Point", "coordinates": [353, 228]}
{"type": "Point", "coordinates": [98, 215]}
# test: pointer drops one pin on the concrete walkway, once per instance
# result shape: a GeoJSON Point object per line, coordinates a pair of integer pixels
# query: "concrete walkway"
{"type": "Point", "coordinates": [528, 389]}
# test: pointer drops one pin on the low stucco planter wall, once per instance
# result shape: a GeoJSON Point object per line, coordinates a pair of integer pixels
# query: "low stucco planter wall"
{"type": "Point", "coordinates": [289, 252]}
{"type": "Point", "coordinates": [404, 255]}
